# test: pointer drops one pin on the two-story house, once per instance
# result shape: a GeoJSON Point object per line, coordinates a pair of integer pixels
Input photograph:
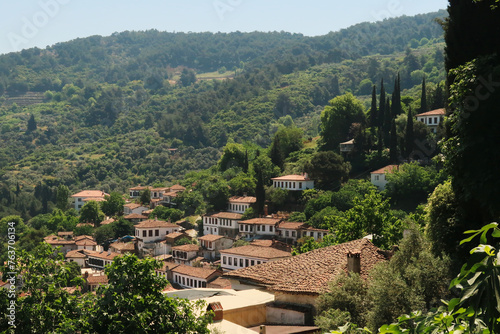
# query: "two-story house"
{"type": "Point", "coordinates": [378, 177]}
{"type": "Point", "coordinates": [154, 230]}
{"type": "Point", "coordinates": [432, 118]}
{"type": "Point", "coordinates": [133, 208]}
{"type": "Point", "coordinates": [193, 277]}
{"type": "Point", "coordinates": [251, 228]}
{"type": "Point", "coordinates": [212, 245]}
{"type": "Point", "coordinates": [222, 223]}
{"type": "Point", "coordinates": [293, 182]}
{"type": "Point", "coordinates": [240, 204]}
{"type": "Point", "coordinates": [185, 254]}
{"type": "Point", "coordinates": [249, 255]}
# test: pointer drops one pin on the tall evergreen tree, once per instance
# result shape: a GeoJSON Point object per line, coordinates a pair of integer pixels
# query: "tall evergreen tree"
{"type": "Point", "coordinates": [393, 144]}
{"type": "Point", "coordinates": [396, 98]}
{"type": "Point", "coordinates": [438, 98]}
{"type": "Point", "coordinates": [423, 99]}
{"type": "Point", "coordinates": [387, 122]}
{"type": "Point", "coordinates": [373, 109]}
{"type": "Point", "coordinates": [409, 135]}
{"type": "Point", "coordinates": [381, 116]}
{"type": "Point", "coordinates": [32, 124]}
{"type": "Point", "coordinates": [245, 162]}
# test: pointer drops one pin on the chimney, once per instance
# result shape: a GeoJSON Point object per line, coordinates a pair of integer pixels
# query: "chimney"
{"type": "Point", "coordinates": [266, 210]}
{"type": "Point", "coordinates": [216, 307]}
{"type": "Point", "coordinates": [353, 262]}
{"type": "Point", "coordinates": [262, 329]}
{"type": "Point", "coordinates": [245, 194]}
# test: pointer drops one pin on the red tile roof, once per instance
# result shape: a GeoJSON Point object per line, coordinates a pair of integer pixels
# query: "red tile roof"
{"type": "Point", "coordinates": [155, 223]}
{"type": "Point", "coordinates": [220, 283]}
{"type": "Point", "coordinates": [243, 199]}
{"type": "Point", "coordinates": [177, 187]}
{"type": "Point", "coordinates": [139, 188]}
{"type": "Point", "coordinates": [291, 225]}
{"type": "Point", "coordinates": [386, 169]}
{"type": "Point", "coordinates": [75, 254]}
{"type": "Point", "coordinates": [55, 240]}
{"type": "Point", "coordinates": [187, 248]}
{"type": "Point", "coordinates": [135, 216]}
{"type": "Point", "coordinates": [90, 193]}
{"type": "Point", "coordinates": [194, 271]}
{"type": "Point", "coordinates": [95, 199]}
{"type": "Point", "coordinates": [108, 221]}
{"type": "Point", "coordinates": [272, 243]}
{"type": "Point", "coordinates": [292, 178]}
{"type": "Point", "coordinates": [257, 252]}
{"type": "Point", "coordinates": [261, 221]}
{"type": "Point", "coordinates": [310, 273]}
{"type": "Point", "coordinates": [97, 279]}
{"type": "Point", "coordinates": [211, 237]}
{"type": "Point", "coordinates": [132, 206]}
{"type": "Point", "coordinates": [101, 255]}
{"type": "Point", "coordinates": [123, 246]}
{"type": "Point", "coordinates": [227, 215]}
{"type": "Point", "coordinates": [437, 112]}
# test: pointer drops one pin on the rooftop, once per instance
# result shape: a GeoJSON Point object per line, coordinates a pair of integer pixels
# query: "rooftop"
{"type": "Point", "coordinates": [211, 237]}
{"type": "Point", "coordinates": [155, 223]}
{"type": "Point", "coordinates": [386, 169]}
{"type": "Point", "coordinates": [187, 248]}
{"type": "Point", "coordinates": [310, 273]}
{"type": "Point", "coordinates": [227, 215]}
{"type": "Point", "coordinates": [135, 216]}
{"type": "Point", "coordinates": [132, 206]}
{"type": "Point", "coordinates": [101, 255]}
{"type": "Point", "coordinates": [291, 225]}
{"type": "Point", "coordinates": [75, 254]}
{"type": "Point", "coordinates": [292, 178]}
{"type": "Point", "coordinates": [243, 199]}
{"type": "Point", "coordinates": [177, 187]}
{"type": "Point", "coordinates": [437, 112]}
{"type": "Point", "coordinates": [261, 221]}
{"type": "Point", "coordinates": [108, 221]}
{"type": "Point", "coordinates": [123, 246]}
{"type": "Point", "coordinates": [90, 193]}
{"type": "Point", "coordinates": [194, 271]}
{"type": "Point", "coordinates": [257, 252]}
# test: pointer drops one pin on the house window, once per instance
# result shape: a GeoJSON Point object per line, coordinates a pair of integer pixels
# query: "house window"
{"type": "Point", "coordinates": [157, 233]}
{"type": "Point", "coordinates": [183, 281]}
{"type": "Point", "coordinates": [246, 262]}
{"type": "Point", "coordinates": [223, 260]}
{"type": "Point", "coordinates": [270, 228]}
{"type": "Point", "coordinates": [258, 227]}
{"type": "Point", "coordinates": [230, 261]}
{"type": "Point", "coordinates": [435, 120]}
{"type": "Point", "coordinates": [241, 262]}
{"type": "Point", "coordinates": [300, 185]}
{"type": "Point", "coordinates": [293, 234]}
{"type": "Point", "coordinates": [286, 234]}
{"type": "Point", "coordinates": [150, 233]}
{"type": "Point", "coordinates": [252, 262]}
{"type": "Point", "coordinates": [203, 284]}
{"type": "Point", "coordinates": [144, 233]}
{"type": "Point", "coordinates": [376, 177]}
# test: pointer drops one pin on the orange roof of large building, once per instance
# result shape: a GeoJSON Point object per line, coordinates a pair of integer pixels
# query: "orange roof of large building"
{"type": "Point", "coordinates": [97, 279]}
{"type": "Point", "coordinates": [135, 216]}
{"type": "Point", "coordinates": [291, 225]}
{"type": "Point", "coordinates": [257, 251]}
{"type": "Point", "coordinates": [177, 187]}
{"type": "Point", "coordinates": [55, 240]}
{"type": "Point", "coordinates": [227, 215]}
{"type": "Point", "coordinates": [90, 193]}
{"type": "Point", "coordinates": [437, 112]}
{"type": "Point", "coordinates": [386, 169]}
{"type": "Point", "coordinates": [132, 206]}
{"type": "Point", "coordinates": [151, 223]}
{"type": "Point", "coordinates": [187, 248]}
{"type": "Point", "coordinates": [139, 187]}
{"type": "Point", "coordinates": [101, 255]}
{"type": "Point", "coordinates": [123, 246]}
{"type": "Point", "coordinates": [203, 273]}
{"type": "Point", "coordinates": [261, 221]}
{"type": "Point", "coordinates": [310, 273]}
{"type": "Point", "coordinates": [75, 254]}
{"type": "Point", "coordinates": [292, 178]}
{"type": "Point", "coordinates": [211, 237]}
{"type": "Point", "coordinates": [243, 199]}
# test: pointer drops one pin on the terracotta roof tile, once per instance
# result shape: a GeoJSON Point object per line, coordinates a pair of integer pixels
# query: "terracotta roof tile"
{"type": "Point", "coordinates": [211, 237]}
{"type": "Point", "coordinates": [108, 221]}
{"type": "Point", "coordinates": [135, 216]}
{"type": "Point", "coordinates": [309, 273]}
{"type": "Point", "coordinates": [75, 254]}
{"type": "Point", "coordinates": [177, 187]}
{"type": "Point", "coordinates": [291, 178]}
{"type": "Point", "coordinates": [90, 193]}
{"type": "Point", "coordinates": [243, 199]}
{"type": "Point", "coordinates": [227, 215]}
{"type": "Point", "coordinates": [187, 248]}
{"type": "Point", "coordinates": [437, 112]}
{"type": "Point", "coordinates": [257, 251]}
{"type": "Point", "coordinates": [123, 246]}
{"type": "Point", "coordinates": [155, 223]}
{"type": "Point", "coordinates": [194, 271]}
{"type": "Point", "coordinates": [291, 225]}
{"type": "Point", "coordinates": [97, 279]}
{"type": "Point", "coordinates": [220, 283]}
{"type": "Point", "coordinates": [132, 206]}
{"type": "Point", "coordinates": [101, 255]}
{"type": "Point", "coordinates": [261, 221]}
{"type": "Point", "coordinates": [386, 169]}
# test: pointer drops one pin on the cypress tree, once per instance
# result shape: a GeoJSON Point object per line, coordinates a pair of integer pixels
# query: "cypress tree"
{"type": "Point", "coordinates": [387, 121]}
{"type": "Point", "coordinates": [438, 98]}
{"type": "Point", "coordinates": [245, 162]}
{"type": "Point", "coordinates": [393, 145]}
{"type": "Point", "coordinates": [373, 109]}
{"type": "Point", "coordinates": [409, 135]}
{"type": "Point", "coordinates": [396, 98]}
{"type": "Point", "coordinates": [423, 99]}
{"type": "Point", "coordinates": [381, 116]}
{"type": "Point", "coordinates": [31, 124]}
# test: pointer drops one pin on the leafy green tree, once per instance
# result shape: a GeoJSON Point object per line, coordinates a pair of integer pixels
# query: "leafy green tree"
{"type": "Point", "coordinates": [328, 170]}
{"type": "Point", "coordinates": [145, 196]}
{"type": "Point", "coordinates": [122, 227]}
{"type": "Point", "coordinates": [373, 109]}
{"type": "Point", "coordinates": [91, 213]}
{"type": "Point", "coordinates": [232, 155]}
{"type": "Point", "coordinates": [191, 202]}
{"type": "Point", "coordinates": [285, 141]}
{"type": "Point", "coordinates": [62, 197]}
{"type": "Point", "coordinates": [83, 230]}
{"type": "Point", "coordinates": [164, 213]}
{"type": "Point", "coordinates": [188, 77]}
{"type": "Point", "coordinates": [184, 241]}
{"type": "Point", "coordinates": [113, 204]}
{"type": "Point", "coordinates": [142, 307]}
{"type": "Point", "coordinates": [307, 244]}
{"type": "Point", "coordinates": [242, 183]}
{"type": "Point", "coordinates": [337, 118]}
{"type": "Point", "coordinates": [104, 233]}
{"type": "Point", "coordinates": [249, 214]}
{"type": "Point", "coordinates": [32, 126]}
{"type": "Point", "coordinates": [393, 144]}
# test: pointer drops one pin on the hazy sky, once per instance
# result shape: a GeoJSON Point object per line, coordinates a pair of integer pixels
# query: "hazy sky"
{"type": "Point", "coordinates": [29, 23]}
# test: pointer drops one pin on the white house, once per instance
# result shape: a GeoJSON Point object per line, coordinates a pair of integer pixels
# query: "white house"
{"type": "Point", "coordinates": [378, 177]}
{"type": "Point", "coordinates": [185, 254]}
{"type": "Point", "coordinates": [154, 230]}
{"type": "Point", "coordinates": [249, 255]}
{"type": "Point", "coordinates": [347, 146]}
{"type": "Point", "coordinates": [239, 204]}
{"type": "Point", "coordinates": [213, 244]}
{"type": "Point", "coordinates": [432, 118]}
{"type": "Point", "coordinates": [293, 182]}
{"type": "Point", "coordinates": [131, 208]}
{"type": "Point", "coordinates": [135, 192]}
{"type": "Point", "coordinates": [222, 223]}
{"type": "Point", "coordinates": [192, 277]}
{"type": "Point", "coordinates": [87, 195]}
{"type": "Point", "coordinates": [258, 227]}
{"type": "Point", "coordinates": [99, 260]}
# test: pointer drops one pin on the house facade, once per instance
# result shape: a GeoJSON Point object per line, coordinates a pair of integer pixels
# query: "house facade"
{"type": "Point", "coordinates": [153, 230]}
{"type": "Point", "coordinates": [293, 182]}
{"type": "Point", "coordinates": [185, 254]}
{"type": "Point", "coordinates": [239, 204]}
{"type": "Point", "coordinates": [193, 277]}
{"type": "Point", "coordinates": [222, 223]}
{"type": "Point", "coordinates": [87, 195]}
{"type": "Point", "coordinates": [133, 208]}
{"type": "Point", "coordinates": [213, 244]}
{"type": "Point", "coordinates": [251, 228]}
{"type": "Point", "coordinates": [378, 177]}
{"type": "Point", "coordinates": [432, 118]}
{"type": "Point", "coordinates": [249, 255]}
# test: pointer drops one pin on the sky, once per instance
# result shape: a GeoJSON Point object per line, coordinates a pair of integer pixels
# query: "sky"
{"type": "Point", "coordinates": [29, 23]}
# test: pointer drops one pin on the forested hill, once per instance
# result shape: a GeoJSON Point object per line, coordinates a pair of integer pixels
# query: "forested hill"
{"type": "Point", "coordinates": [131, 56]}
{"type": "Point", "coordinates": [147, 107]}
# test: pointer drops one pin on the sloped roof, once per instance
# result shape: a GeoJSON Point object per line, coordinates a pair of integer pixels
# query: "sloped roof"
{"type": "Point", "coordinates": [243, 199]}
{"type": "Point", "coordinates": [135, 216]}
{"type": "Point", "coordinates": [187, 248]}
{"type": "Point", "coordinates": [177, 187]}
{"type": "Point", "coordinates": [132, 206]}
{"type": "Point", "coordinates": [386, 169]}
{"type": "Point", "coordinates": [75, 254]}
{"type": "Point", "coordinates": [101, 255]}
{"type": "Point", "coordinates": [211, 237]}
{"type": "Point", "coordinates": [310, 273]}
{"type": "Point", "coordinates": [155, 223]}
{"type": "Point", "coordinates": [97, 279]}
{"type": "Point", "coordinates": [437, 112]}
{"type": "Point", "coordinates": [227, 215]}
{"type": "Point", "coordinates": [203, 273]}
{"type": "Point", "coordinates": [261, 221]}
{"type": "Point", "coordinates": [292, 178]}
{"type": "Point", "coordinates": [123, 246]}
{"type": "Point", "coordinates": [90, 193]}
{"type": "Point", "coordinates": [257, 252]}
{"type": "Point", "coordinates": [291, 225]}
{"type": "Point", "coordinates": [108, 221]}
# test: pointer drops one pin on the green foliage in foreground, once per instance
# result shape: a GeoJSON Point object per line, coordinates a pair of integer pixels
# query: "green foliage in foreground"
{"type": "Point", "coordinates": [132, 302]}
{"type": "Point", "coordinates": [476, 310]}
